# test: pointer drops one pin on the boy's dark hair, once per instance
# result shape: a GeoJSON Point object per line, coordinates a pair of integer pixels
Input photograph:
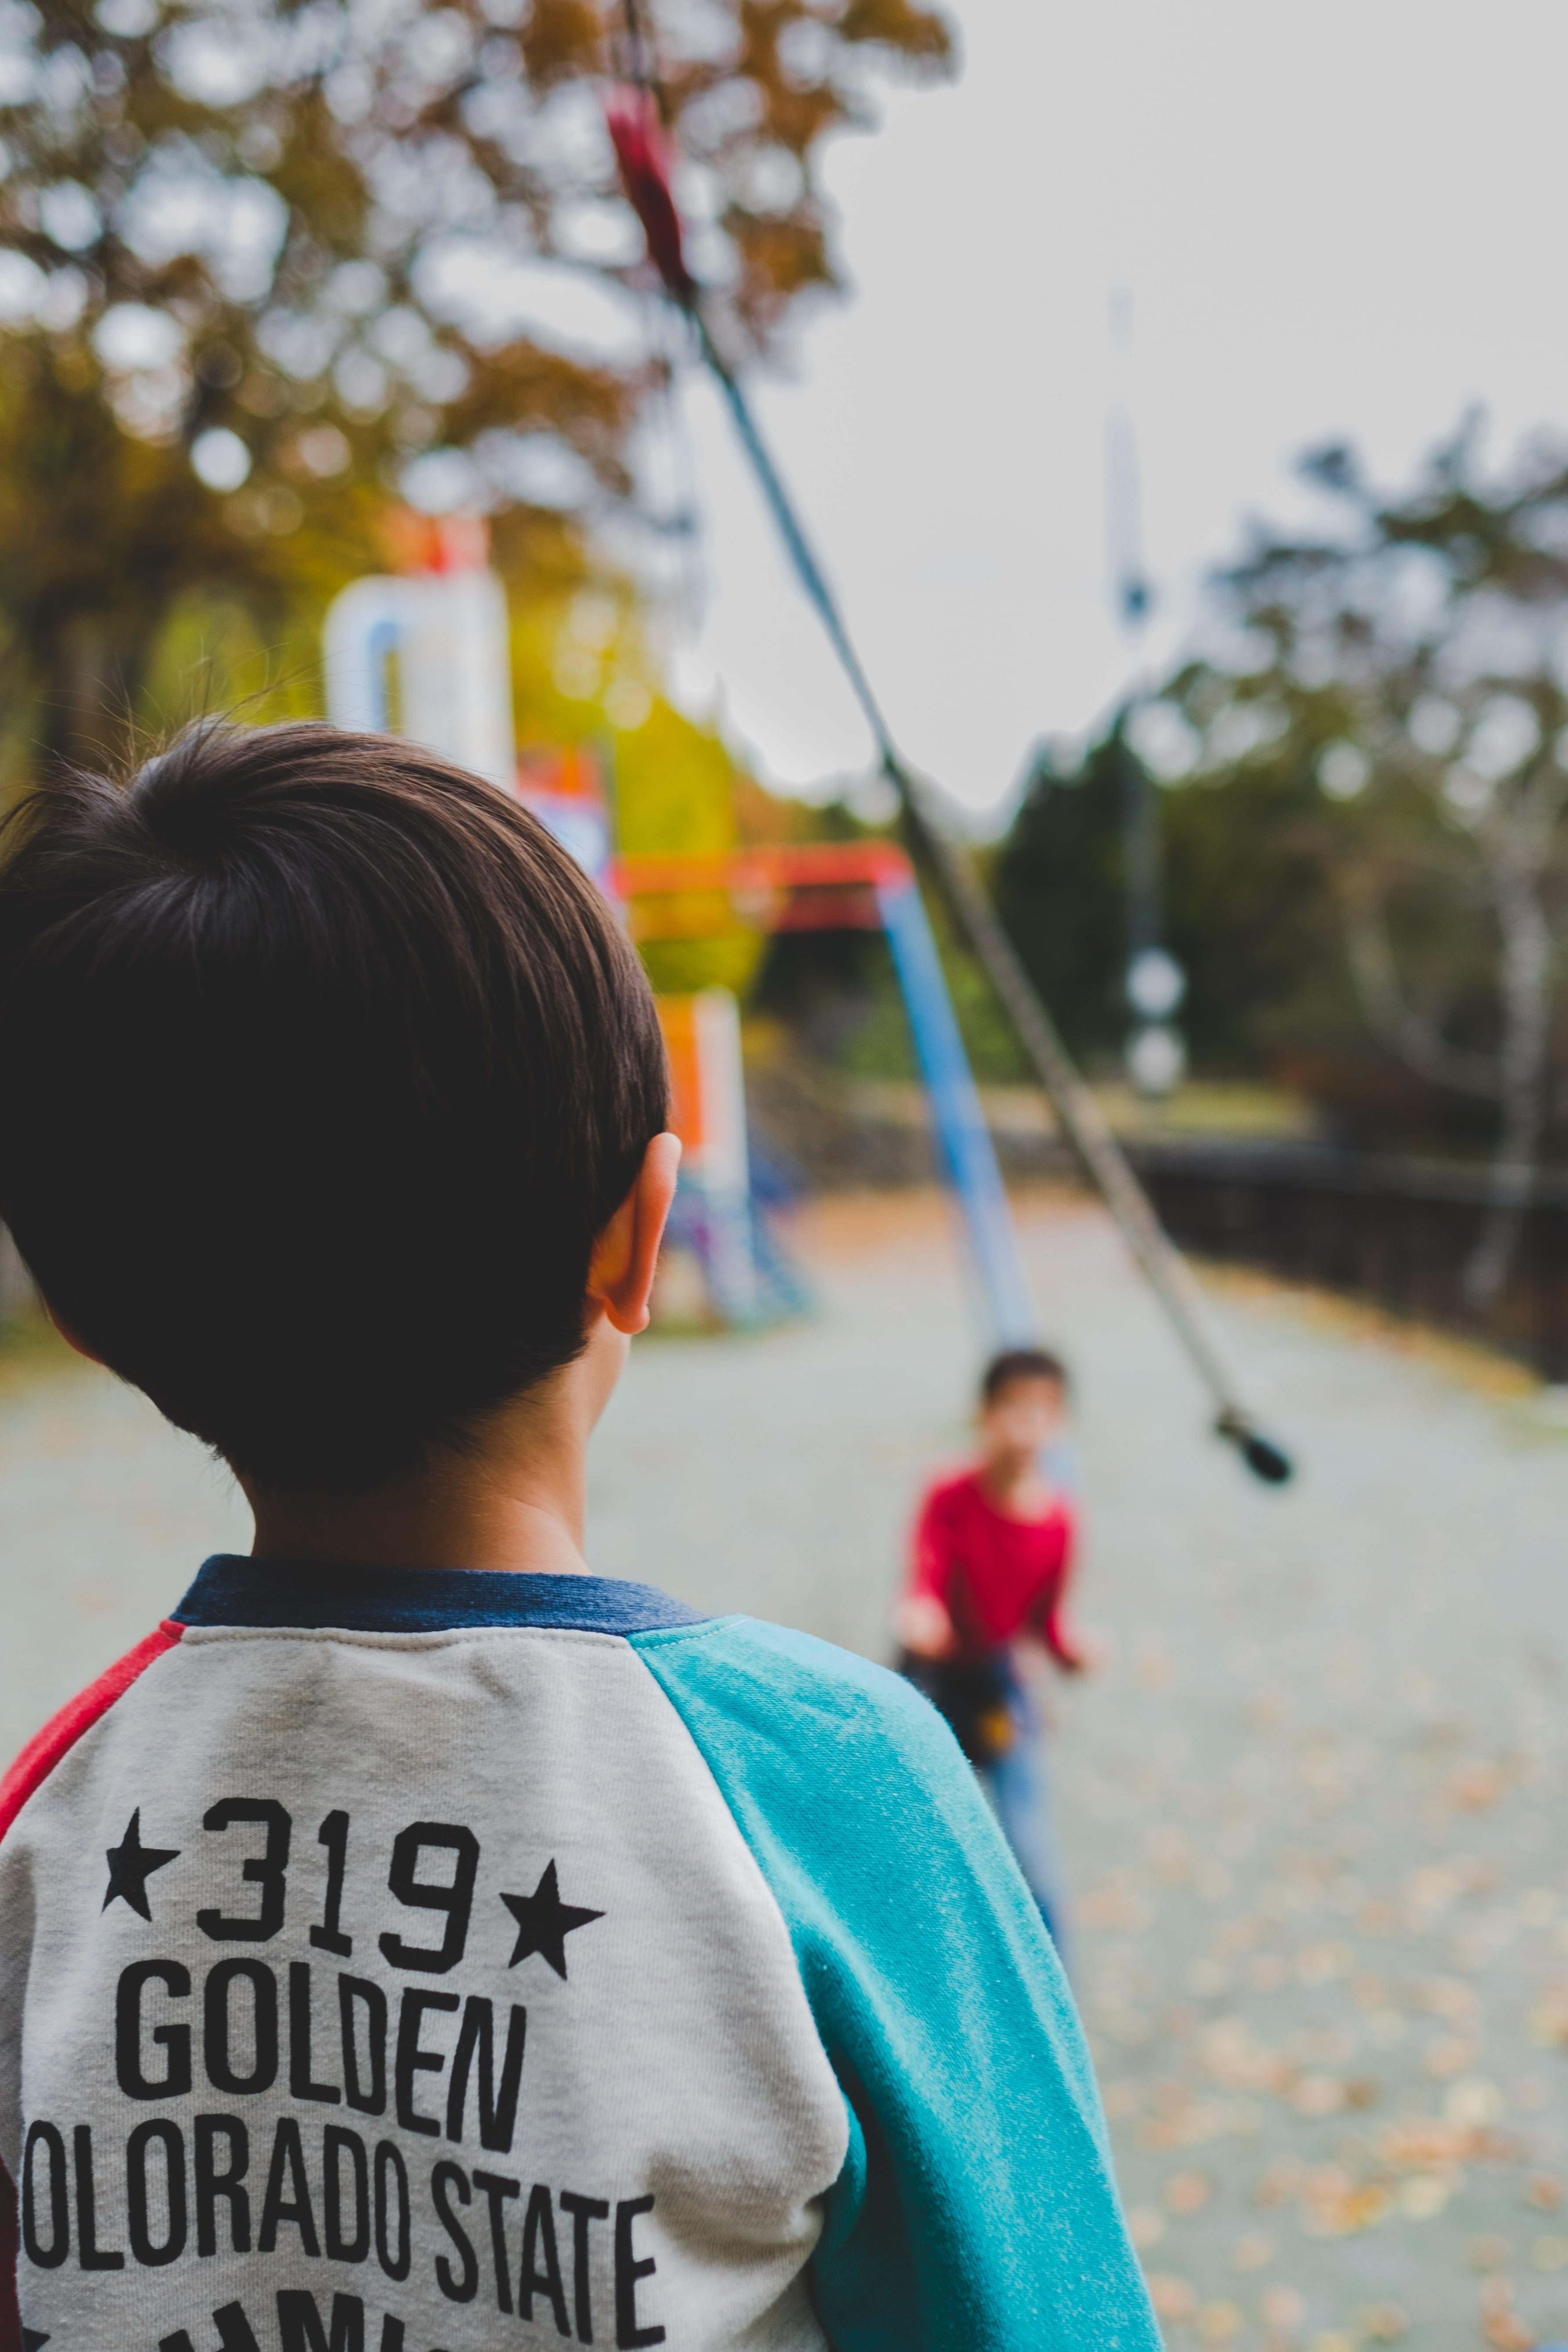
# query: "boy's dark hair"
{"type": "Point", "coordinates": [1021, 1364]}
{"type": "Point", "coordinates": [321, 1065]}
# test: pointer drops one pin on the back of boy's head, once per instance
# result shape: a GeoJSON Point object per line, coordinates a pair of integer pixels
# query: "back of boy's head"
{"type": "Point", "coordinates": [321, 1065]}
{"type": "Point", "coordinates": [1015, 1365]}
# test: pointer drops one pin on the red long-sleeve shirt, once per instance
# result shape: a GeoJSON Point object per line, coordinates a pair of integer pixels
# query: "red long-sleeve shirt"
{"type": "Point", "coordinates": [996, 1577]}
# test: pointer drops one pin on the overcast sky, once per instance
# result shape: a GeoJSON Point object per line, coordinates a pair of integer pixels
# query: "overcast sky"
{"type": "Point", "coordinates": [1347, 219]}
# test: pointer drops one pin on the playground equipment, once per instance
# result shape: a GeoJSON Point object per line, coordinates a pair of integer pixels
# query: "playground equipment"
{"type": "Point", "coordinates": [430, 648]}
{"type": "Point", "coordinates": [636, 116]}
{"type": "Point", "coordinates": [867, 886]}
{"type": "Point", "coordinates": [568, 792]}
{"type": "Point", "coordinates": [716, 1219]}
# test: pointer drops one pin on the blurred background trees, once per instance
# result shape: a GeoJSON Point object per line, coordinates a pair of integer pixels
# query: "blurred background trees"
{"type": "Point", "coordinates": [1245, 910]}
{"type": "Point", "coordinates": [265, 267]}
{"type": "Point", "coordinates": [270, 271]}
{"type": "Point", "coordinates": [1365, 779]}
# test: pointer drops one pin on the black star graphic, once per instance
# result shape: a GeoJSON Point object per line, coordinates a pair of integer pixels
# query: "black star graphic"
{"type": "Point", "coordinates": [34, 2339]}
{"type": "Point", "coordinates": [544, 1922]}
{"type": "Point", "coordinates": [131, 1864]}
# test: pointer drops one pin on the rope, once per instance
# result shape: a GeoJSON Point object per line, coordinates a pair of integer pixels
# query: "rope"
{"type": "Point", "coordinates": [636, 131]}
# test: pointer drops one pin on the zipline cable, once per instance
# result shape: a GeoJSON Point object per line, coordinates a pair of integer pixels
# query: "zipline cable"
{"type": "Point", "coordinates": [634, 117]}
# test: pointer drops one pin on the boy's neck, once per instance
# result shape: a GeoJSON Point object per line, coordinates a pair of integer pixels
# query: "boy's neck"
{"type": "Point", "coordinates": [397, 1528]}
{"type": "Point", "coordinates": [514, 1499]}
{"type": "Point", "coordinates": [1002, 1471]}
{"type": "Point", "coordinates": [1011, 1477]}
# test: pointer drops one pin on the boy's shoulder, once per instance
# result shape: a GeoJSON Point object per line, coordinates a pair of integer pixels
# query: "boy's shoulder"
{"type": "Point", "coordinates": [845, 1781]}
{"type": "Point", "coordinates": [797, 1704]}
{"type": "Point", "coordinates": [927, 1969]}
{"type": "Point", "coordinates": [757, 1655]}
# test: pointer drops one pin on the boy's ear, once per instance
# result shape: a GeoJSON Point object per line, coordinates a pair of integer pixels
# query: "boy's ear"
{"type": "Point", "coordinates": [626, 1255]}
{"type": "Point", "coordinates": [68, 1335]}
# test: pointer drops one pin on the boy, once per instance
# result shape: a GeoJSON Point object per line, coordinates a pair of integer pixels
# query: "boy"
{"type": "Point", "coordinates": [992, 1556]}
{"type": "Point", "coordinates": [420, 1940]}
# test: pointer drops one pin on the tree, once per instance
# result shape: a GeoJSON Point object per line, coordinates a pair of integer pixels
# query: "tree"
{"type": "Point", "coordinates": [1246, 912]}
{"type": "Point", "coordinates": [261, 261]}
{"type": "Point", "coordinates": [1411, 665]}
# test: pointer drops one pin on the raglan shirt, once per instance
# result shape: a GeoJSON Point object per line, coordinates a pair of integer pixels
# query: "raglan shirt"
{"type": "Point", "coordinates": [420, 1961]}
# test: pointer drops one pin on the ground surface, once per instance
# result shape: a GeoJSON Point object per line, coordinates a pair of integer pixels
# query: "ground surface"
{"type": "Point", "coordinates": [1312, 1803]}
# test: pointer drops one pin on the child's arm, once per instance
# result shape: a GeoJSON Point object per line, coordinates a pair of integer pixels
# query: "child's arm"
{"type": "Point", "coordinates": [922, 1619]}
{"type": "Point", "coordinates": [976, 2211]}
{"type": "Point", "coordinates": [1065, 1647]}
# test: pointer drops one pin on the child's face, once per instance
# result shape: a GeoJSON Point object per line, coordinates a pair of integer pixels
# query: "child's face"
{"type": "Point", "coordinates": [1022, 1419]}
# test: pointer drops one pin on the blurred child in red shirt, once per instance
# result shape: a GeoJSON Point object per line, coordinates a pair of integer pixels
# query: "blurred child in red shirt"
{"type": "Point", "coordinates": [992, 1556]}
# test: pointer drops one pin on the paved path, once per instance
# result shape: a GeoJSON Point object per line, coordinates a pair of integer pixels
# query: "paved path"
{"type": "Point", "coordinates": [1313, 1803]}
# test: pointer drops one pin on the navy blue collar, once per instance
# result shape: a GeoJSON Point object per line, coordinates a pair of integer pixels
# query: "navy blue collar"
{"type": "Point", "coordinates": [312, 1594]}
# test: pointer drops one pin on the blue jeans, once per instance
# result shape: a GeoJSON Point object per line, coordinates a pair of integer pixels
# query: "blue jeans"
{"type": "Point", "coordinates": [1016, 1785]}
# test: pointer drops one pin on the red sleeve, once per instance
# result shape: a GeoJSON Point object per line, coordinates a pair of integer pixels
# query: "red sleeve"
{"type": "Point", "coordinates": [931, 1557]}
{"type": "Point", "coordinates": [60, 1734]}
{"type": "Point", "coordinates": [28, 1773]}
{"type": "Point", "coordinates": [1049, 1615]}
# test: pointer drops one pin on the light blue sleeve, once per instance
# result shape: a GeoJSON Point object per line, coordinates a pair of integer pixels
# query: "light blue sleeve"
{"type": "Point", "coordinates": [976, 2211]}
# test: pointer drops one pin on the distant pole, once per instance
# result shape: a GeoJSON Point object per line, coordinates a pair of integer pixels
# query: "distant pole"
{"type": "Point", "coordinates": [1153, 981]}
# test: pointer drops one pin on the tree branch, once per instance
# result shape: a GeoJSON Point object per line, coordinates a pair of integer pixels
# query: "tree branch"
{"type": "Point", "coordinates": [1391, 1018]}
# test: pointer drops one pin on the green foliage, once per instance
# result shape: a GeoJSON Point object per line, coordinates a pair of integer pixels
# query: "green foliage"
{"type": "Point", "coordinates": [583, 674]}
{"type": "Point", "coordinates": [674, 787]}
{"type": "Point", "coordinates": [333, 238]}
{"type": "Point", "coordinates": [1248, 912]}
{"type": "Point", "coordinates": [211, 656]}
{"type": "Point", "coordinates": [1405, 670]}
{"type": "Point", "coordinates": [1059, 887]}
{"type": "Point", "coordinates": [1370, 757]}
{"type": "Point", "coordinates": [675, 792]}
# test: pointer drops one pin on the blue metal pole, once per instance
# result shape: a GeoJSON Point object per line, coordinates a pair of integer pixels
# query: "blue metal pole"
{"type": "Point", "coordinates": [966, 1139]}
